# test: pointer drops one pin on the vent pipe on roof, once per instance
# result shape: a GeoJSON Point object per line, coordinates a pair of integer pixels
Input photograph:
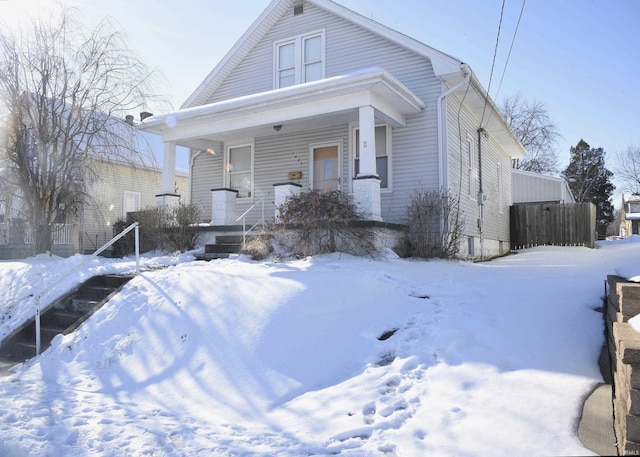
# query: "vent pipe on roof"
{"type": "Point", "coordinates": [129, 119]}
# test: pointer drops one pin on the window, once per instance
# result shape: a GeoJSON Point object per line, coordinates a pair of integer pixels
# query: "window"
{"type": "Point", "coordinates": [299, 59]}
{"type": "Point", "coordinates": [471, 168]}
{"type": "Point", "coordinates": [500, 190]}
{"type": "Point", "coordinates": [3, 210]}
{"type": "Point", "coordinates": [131, 202]}
{"type": "Point", "coordinates": [239, 169]}
{"type": "Point", "coordinates": [382, 154]}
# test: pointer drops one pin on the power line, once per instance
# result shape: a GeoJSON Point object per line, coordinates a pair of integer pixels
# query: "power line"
{"type": "Point", "coordinates": [504, 70]}
{"type": "Point", "coordinates": [493, 63]}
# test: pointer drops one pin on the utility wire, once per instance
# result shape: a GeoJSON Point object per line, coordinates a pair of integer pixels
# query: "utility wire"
{"type": "Point", "coordinates": [493, 63]}
{"type": "Point", "coordinates": [504, 70]}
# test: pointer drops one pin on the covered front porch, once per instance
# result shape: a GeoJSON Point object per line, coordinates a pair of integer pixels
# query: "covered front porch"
{"type": "Point", "coordinates": [296, 138]}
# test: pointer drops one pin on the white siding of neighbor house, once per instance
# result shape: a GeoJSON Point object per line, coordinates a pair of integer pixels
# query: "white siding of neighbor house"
{"type": "Point", "coordinates": [461, 124]}
{"type": "Point", "coordinates": [348, 48]}
{"type": "Point", "coordinates": [533, 187]}
{"type": "Point", "coordinates": [107, 199]}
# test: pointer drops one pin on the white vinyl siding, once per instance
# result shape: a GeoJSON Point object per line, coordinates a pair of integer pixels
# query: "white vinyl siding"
{"type": "Point", "coordinates": [299, 59]}
{"type": "Point", "coordinates": [461, 126]}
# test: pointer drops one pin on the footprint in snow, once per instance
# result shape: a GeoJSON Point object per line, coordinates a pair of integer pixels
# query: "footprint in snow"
{"type": "Point", "coordinates": [368, 411]}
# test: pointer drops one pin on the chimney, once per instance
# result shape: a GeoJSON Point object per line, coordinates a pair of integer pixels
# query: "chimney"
{"type": "Point", "coordinates": [144, 115]}
{"type": "Point", "coordinates": [129, 119]}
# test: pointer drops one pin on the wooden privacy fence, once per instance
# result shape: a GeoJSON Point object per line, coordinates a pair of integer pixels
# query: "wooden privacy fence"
{"type": "Point", "coordinates": [555, 224]}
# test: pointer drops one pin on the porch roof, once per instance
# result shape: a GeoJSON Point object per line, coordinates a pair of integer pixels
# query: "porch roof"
{"type": "Point", "coordinates": [324, 102]}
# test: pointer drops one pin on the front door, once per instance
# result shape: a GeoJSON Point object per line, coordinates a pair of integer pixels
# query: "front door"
{"type": "Point", "coordinates": [325, 168]}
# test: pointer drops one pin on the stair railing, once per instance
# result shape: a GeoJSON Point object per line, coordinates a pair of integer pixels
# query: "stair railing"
{"type": "Point", "coordinates": [133, 226]}
{"type": "Point", "coordinates": [245, 232]}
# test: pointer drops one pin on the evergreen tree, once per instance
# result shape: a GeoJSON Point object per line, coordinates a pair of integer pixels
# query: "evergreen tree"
{"type": "Point", "coordinates": [590, 181]}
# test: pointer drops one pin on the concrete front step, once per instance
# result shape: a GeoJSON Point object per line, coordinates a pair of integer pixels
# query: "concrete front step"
{"type": "Point", "coordinates": [62, 317]}
{"type": "Point", "coordinates": [223, 248]}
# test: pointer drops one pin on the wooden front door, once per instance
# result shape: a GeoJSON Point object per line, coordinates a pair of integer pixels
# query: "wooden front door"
{"type": "Point", "coordinates": [326, 174]}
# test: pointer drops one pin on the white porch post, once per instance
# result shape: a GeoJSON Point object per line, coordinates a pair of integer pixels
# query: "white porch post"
{"type": "Point", "coordinates": [223, 206]}
{"type": "Point", "coordinates": [366, 185]}
{"type": "Point", "coordinates": [280, 193]}
{"type": "Point", "coordinates": [167, 195]}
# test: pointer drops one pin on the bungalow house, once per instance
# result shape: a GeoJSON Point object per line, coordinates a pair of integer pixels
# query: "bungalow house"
{"type": "Point", "coordinates": [115, 189]}
{"type": "Point", "coordinates": [316, 96]}
{"type": "Point", "coordinates": [630, 215]}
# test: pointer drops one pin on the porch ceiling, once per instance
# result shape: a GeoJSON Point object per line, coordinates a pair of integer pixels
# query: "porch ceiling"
{"type": "Point", "coordinates": [317, 104]}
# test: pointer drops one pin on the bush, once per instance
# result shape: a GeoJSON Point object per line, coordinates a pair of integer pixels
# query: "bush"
{"type": "Point", "coordinates": [318, 222]}
{"type": "Point", "coordinates": [434, 225]}
{"type": "Point", "coordinates": [161, 228]}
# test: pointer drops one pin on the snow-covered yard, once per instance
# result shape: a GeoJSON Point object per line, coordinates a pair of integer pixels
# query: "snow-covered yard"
{"type": "Point", "coordinates": [242, 358]}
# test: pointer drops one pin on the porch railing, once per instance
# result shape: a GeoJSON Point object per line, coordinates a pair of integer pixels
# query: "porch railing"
{"type": "Point", "coordinates": [243, 217]}
{"type": "Point", "coordinates": [61, 234]}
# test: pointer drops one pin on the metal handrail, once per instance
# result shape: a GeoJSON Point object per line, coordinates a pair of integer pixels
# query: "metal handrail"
{"type": "Point", "coordinates": [80, 265]}
{"type": "Point", "coordinates": [244, 218]}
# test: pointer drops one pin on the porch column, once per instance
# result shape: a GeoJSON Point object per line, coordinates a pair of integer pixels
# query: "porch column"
{"type": "Point", "coordinates": [223, 206]}
{"type": "Point", "coordinates": [280, 193]}
{"type": "Point", "coordinates": [366, 185]}
{"type": "Point", "coordinates": [167, 195]}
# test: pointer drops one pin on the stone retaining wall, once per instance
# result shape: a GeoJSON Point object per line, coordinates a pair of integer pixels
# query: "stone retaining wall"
{"type": "Point", "coordinates": [623, 344]}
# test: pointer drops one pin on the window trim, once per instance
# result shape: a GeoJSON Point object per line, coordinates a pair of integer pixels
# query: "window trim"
{"type": "Point", "coordinates": [299, 63]}
{"type": "Point", "coordinates": [500, 189]}
{"type": "Point", "coordinates": [353, 126]}
{"type": "Point", "coordinates": [226, 179]}
{"type": "Point", "coordinates": [136, 194]}
{"type": "Point", "coordinates": [471, 167]}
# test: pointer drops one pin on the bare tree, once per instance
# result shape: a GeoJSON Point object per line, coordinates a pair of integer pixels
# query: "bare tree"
{"type": "Point", "coordinates": [628, 168]}
{"type": "Point", "coordinates": [66, 91]}
{"type": "Point", "coordinates": [536, 131]}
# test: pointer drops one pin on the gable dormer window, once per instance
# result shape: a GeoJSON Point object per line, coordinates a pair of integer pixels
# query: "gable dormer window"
{"type": "Point", "coordinates": [299, 59]}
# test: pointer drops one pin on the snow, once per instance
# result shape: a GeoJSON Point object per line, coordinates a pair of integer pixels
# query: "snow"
{"type": "Point", "coordinates": [242, 358]}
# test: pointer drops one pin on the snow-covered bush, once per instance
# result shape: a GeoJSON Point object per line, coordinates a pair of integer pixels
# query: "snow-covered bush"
{"type": "Point", "coordinates": [161, 228]}
{"type": "Point", "coordinates": [318, 222]}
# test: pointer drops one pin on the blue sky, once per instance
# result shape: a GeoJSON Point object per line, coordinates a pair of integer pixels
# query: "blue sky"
{"type": "Point", "coordinates": [579, 57]}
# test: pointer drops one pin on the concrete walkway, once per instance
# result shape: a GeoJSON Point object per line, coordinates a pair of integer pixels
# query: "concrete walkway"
{"type": "Point", "coordinates": [596, 424]}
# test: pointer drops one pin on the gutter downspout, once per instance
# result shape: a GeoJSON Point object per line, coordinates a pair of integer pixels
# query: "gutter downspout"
{"type": "Point", "coordinates": [441, 114]}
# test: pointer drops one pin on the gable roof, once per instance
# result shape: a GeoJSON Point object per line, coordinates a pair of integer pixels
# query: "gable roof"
{"type": "Point", "coordinates": [449, 69]}
{"type": "Point", "coordinates": [443, 64]}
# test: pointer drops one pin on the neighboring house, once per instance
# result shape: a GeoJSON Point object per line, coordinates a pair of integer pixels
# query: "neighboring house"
{"type": "Point", "coordinates": [316, 96]}
{"type": "Point", "coordinates": [529, 187]}
{"type": "Point", "coordinates": [119, 188]}
{"type": "Point", "coordinates": [630, 215]}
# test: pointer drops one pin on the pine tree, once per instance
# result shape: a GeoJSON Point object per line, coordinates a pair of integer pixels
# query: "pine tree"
{"type": "Point", "coordinates": [590, 181]}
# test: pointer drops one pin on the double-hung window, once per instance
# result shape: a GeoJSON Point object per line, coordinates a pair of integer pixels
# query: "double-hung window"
{"type": "Point", "coordinates": [383, 154]}
{"type": "Point", "coordinates": [239, 169]}
{"type": "Point", "coordinates": [471, 167]}
{"type": "Point", "coordinates": [299, 59]}
{"type": "Point", "coordinates": [130, 202]}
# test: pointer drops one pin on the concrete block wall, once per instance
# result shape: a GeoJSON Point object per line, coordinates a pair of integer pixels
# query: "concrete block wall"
{"type": "Point", "coordinates": [623, 344]}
